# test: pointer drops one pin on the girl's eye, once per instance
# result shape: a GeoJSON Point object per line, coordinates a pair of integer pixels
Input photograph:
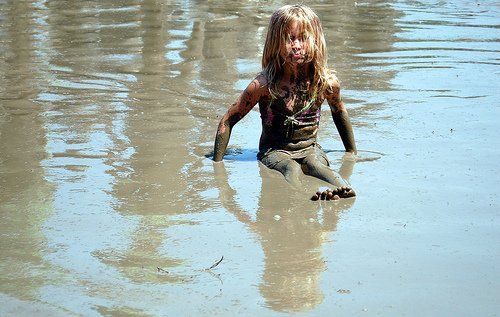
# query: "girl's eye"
{"type": "Point", "coordinates": [293, 38]}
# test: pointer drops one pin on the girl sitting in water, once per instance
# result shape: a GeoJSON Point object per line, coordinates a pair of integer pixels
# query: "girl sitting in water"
{"type": "Point", "coordinates": [290, 90]}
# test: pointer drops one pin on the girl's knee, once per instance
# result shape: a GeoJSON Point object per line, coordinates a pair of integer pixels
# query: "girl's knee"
{"type": "Point", "coordinates": [315, 163]}
{"type": "Point", "coordinates": [291, 168]}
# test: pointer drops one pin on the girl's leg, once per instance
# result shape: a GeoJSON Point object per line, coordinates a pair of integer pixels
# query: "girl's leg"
{"type": "Point", "coordinates": [291, 170]}
{"type": "Point", "coordinates": [318, 167]}
{"type": "Point", "coordinates": [283, 163]}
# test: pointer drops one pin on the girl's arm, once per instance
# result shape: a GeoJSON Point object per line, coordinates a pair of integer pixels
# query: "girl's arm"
{"type": "Point", "coordinates": [235, 113]}
{"type": "Point", "coordinates": [341, 117]}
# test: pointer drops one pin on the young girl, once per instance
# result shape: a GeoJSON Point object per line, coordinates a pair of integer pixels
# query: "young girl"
{"type": "Point", "coordinates": [290, 90]}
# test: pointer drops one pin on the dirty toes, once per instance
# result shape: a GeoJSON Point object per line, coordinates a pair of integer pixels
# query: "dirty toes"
{"type": "Point", "coordinates": [329, 194]}
{"type": "Point", "coordinates": [345, 192]}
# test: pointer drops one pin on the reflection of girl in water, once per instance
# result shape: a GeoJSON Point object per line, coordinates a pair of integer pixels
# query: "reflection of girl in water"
{"type": "Point", "coordinates": [290, 90]}
{"type": "Point", "coordinates": [291, 232]}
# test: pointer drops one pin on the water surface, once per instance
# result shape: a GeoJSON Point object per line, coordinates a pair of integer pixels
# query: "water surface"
{"type": "Point", "coordinates": [110, 204]}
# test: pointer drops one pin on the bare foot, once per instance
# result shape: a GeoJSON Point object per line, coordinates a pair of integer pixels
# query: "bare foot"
{"type": "Point", "coordinates": [344, 192]}
{"type": "Point", "coordinates": [334, 194]}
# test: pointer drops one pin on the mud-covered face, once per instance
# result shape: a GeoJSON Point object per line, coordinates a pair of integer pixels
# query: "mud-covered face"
{"type": "Point", "coordinates": [295, 49]}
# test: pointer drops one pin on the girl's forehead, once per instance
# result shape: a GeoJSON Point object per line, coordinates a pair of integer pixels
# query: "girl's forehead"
{"type": "Point", "coordinates": [295, 26]}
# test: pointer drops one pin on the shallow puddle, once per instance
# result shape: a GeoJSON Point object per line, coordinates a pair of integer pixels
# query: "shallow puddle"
{"type": "Point", "coordinates": [111, 206]}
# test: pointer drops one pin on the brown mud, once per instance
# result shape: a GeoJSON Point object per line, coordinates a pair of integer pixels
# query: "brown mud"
{"type": "Point", "coordinates": [109, 205]}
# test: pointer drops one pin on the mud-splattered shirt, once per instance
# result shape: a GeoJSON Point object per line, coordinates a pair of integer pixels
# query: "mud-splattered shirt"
{"type": "Point", "coordinates": [289, 129]}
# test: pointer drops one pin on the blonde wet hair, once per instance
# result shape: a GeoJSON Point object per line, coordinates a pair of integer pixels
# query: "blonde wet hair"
{"type": "Point", "coordinates": [316, 55]}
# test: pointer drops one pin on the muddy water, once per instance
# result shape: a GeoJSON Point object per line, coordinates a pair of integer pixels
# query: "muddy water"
{"type": "Point", "coordinates": [111, 206]}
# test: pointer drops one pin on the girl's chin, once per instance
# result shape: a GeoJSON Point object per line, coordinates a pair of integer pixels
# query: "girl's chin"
{"type": "Point", "coordinates": [291, 60]}
{"type": "Point", "coordinates": [296, 61]}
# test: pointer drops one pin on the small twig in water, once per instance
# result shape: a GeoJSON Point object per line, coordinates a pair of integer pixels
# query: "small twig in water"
{"type": "Point", "coordinates": [160, 270]}
{"type": "Point", "coordinates": [215, 264]}
{"type": "Point", "coordinates": [216, 275]}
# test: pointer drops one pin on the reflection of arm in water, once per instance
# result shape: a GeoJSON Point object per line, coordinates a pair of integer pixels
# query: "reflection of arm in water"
{"type": "Point", "coordinates": [227, 195]}
{"type": "Point", "coordinates": [236, 112]}
{"type": "Point", "coordinates": [347, 166]}
{"type": "Point", "coordinates": [341, 117]}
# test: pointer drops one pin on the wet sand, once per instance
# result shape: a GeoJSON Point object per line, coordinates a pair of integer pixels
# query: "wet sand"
{"type": "Point", "coordinates": [110, 204]}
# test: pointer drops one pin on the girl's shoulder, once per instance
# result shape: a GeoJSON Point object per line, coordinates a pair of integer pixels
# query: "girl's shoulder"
{"type": "Point", "coordinates": [261, 80]}
{"type": "Point", "coordinates": [331, 78]}
{"type": "Point", "coordinates": [332, 83]}
{"type": "Point", "coordinates": [261, 84]}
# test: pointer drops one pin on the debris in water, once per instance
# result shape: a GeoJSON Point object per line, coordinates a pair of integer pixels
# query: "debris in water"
{"type": "Point", "coordinates": [215, 264]}
{"type": "Point", "coordinates": [344, 291]}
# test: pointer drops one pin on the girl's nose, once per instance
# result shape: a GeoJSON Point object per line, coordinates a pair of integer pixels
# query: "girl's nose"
{"type": "Point", "coordinates": [296, 44]}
